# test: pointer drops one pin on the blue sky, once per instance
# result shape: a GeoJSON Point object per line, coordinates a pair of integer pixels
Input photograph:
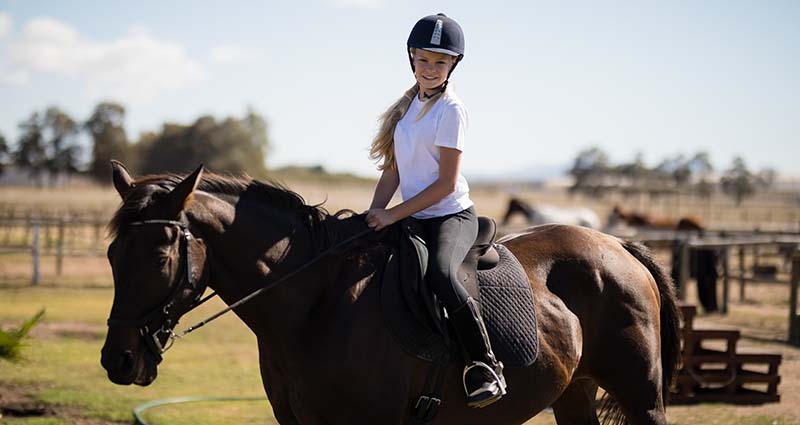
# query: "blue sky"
{"type": "Point", "coordinates": [542, 80]}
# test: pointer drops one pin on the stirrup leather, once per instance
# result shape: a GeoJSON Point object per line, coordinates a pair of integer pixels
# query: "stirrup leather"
{"type": "Point", "coordinates": [498, 380]}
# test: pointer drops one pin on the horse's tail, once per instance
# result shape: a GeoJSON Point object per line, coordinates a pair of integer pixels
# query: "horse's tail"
{"type": "Point", "coordinates": [670, 330]}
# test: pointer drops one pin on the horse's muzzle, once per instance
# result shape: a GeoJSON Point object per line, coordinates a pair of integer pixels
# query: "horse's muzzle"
{"type": "Point", "coordinates": [124, 368]}
{"type": "Point", "coordinates": [120, 366]}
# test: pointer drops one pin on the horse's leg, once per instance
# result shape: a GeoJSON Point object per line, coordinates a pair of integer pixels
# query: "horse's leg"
{"type": "Point", "coordinates": [631, 373]}
{"type": "Point", "coordinates": [275, 385]}
{"type": "Point", "coordinates": [576, 405]}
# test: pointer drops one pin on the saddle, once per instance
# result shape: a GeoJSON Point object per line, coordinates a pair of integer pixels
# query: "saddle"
{"type": "Point", "coordinates": [491, 275]}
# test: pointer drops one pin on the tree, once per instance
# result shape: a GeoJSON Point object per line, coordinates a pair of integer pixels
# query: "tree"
{"type": "Point", "coordinates": [5, 153]}
{"type": "Point", "coordinates": [700, 164]}
{"type": "Point", "coordinates": [105, 126]}
{"type": "Point", "coordinates": [48, 143]}
{"type": "Point", "coordinates": [232, 145]}
{"type": "Point", "coordinates": [589, 169]}
{"type": "Point", "coordinates": [62, 149]}
{"type": "Point", "coordinates": [738, 181]}
{"type": "Point", "coordinates": [675, 169]}
{"type": "Point", "coordinates": [700, 167]}
{"type": "Point", "coordinates": [31, 151]}
{"type": "Point", "coordinates": [766, 177]}
{"type": "Point", "coordinates": [635, 173]}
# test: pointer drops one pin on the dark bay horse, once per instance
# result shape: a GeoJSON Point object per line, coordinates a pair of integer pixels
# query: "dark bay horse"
{"type": "Point", "coordinates": [606, 311]}
{"type": "Point", "coordinates": [635, 219]}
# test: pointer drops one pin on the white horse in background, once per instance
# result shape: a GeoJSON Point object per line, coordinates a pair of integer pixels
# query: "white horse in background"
{"type": "Point", "coordinates": [545, 214]}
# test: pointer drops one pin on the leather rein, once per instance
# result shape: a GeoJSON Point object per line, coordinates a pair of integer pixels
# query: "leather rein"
{"type": "Point", "coordinates": [162, 339]}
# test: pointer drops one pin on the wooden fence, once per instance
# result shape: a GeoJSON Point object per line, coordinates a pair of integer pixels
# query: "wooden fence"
{"type": "Point", "coordinates": [726, 243]}
{"type": "Point", "coordinates": [51, 236]}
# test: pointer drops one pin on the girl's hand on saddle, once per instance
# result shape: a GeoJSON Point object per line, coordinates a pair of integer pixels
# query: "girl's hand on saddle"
{"type": "Point", "coordinates": [378, 218]}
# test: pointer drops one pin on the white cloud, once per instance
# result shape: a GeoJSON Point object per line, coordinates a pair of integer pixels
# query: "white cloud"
{"type": "Point", "coordinates": [5, 24]}
{"type": "Point", "coordinates": [359, 4]}
{"type": "Point", "coordinates": [226, 55]}
{"type": "Point", "coordinates": [134, 68]}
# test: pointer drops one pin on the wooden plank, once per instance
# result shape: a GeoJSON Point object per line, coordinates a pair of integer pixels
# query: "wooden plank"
{"type": "Point", "coordinates": [753, 397]}
{"type": "Point", "coordinates": [703, 334]}
{"type": "Point", "coordinates": [724, 376]}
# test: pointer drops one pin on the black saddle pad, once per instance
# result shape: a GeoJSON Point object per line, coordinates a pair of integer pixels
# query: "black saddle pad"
{"type": "Point", "coordinates": [506, 305]}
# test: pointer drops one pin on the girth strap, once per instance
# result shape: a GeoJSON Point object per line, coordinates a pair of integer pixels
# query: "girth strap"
{"type": "Point", "coordinates": [428, 403]}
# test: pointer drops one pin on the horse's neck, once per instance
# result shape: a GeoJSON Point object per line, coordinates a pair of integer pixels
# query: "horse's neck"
{"type": "Point", "coordinates": [251, 248]}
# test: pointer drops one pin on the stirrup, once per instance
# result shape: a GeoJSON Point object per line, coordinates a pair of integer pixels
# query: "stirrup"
{"type": "Point", "coordinates": [499, 381]}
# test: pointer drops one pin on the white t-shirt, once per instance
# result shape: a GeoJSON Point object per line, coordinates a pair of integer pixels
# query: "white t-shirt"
{"type": "Point", "coordinates": [416, 150]}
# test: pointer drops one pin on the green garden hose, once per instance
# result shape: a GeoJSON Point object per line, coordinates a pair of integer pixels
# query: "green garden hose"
{"type": "Point", "coordinates": [139, 410]}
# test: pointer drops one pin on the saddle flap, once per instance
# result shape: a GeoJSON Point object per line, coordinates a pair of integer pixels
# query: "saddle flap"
{"type": "Point", "coordinates": [506, 304]}
{"type": "Point", "coordinates": [482, 256]}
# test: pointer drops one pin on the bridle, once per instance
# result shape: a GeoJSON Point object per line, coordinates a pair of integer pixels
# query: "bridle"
{"type": "Point", "coordinates": [163, 311]}
{"type": "Point", "coordinates": [161, 340]}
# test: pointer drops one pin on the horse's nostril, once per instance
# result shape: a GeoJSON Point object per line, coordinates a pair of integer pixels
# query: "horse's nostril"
{"type": "Point", "coordinates": [128, 362]}
{"type": "Point", "coordinates": [116, 361]}
{"type": "Point", "coordinates": [110, 361]}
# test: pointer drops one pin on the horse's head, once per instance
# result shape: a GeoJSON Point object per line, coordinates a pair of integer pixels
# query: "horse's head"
{"type": "Point", "coordinates": [616, 216]}
{"type": "Point", "coordinates": [158, 269]}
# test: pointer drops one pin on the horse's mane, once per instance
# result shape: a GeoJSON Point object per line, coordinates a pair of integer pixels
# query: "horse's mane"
{"type": "Point", "coordinates": [151, 187]}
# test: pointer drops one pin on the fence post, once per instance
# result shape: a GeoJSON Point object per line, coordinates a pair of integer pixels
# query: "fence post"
{"type": "Point", "coordinates": [726, 281]}
{"type": "Point", "coordinates": [742, 281]}
{"type": "Point", "coordinates": [36, 251]}
{"type": "Point", "coordinates": [683, 268]}
{"type": "Point", "coordinates": [794, 329]}
{"type": "Point", "coordinates": [97, 226]}
{"type": "Point", "coordinates": [28, 224]}
{"type": "Point", "coordinates": [60, 246]}
{"type": "Point", "coordinates": [48, 239]}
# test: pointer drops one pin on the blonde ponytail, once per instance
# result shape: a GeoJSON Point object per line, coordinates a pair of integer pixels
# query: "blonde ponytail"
{"type": "Point", "coordinates": [382, 148]}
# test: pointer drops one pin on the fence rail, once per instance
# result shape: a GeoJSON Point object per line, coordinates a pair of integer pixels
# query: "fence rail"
{"type": "Point", "coordinates": [51, 236]}
{"type": "Point", "coordinates": [725, 243]}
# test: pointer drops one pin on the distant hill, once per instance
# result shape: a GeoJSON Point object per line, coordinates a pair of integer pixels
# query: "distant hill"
{"type": "Point", "coordinates": [315, 173]}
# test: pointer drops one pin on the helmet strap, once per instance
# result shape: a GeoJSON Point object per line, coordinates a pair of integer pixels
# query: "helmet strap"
{"type": "Point", "coordinates": [438, 90]}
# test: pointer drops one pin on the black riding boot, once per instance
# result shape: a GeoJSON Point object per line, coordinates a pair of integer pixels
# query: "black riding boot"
{"type": "Point", "coordinates": [483, 376]}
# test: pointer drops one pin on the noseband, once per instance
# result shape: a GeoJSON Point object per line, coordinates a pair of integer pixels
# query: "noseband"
{"type": "Point", "coordinates": [161, 314]}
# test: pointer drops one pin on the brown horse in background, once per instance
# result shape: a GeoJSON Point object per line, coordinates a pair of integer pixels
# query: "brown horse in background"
{"type": "Point", "coordinates": [703, 263]}
{"type": "Point", "coordinates": [636, 219]}
{"type": "Point", "coordinates": [606, 311]}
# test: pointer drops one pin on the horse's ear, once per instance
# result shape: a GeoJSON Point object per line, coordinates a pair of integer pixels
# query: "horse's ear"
{"type": "Point", "coordinates": [179, 197]}
{"type": "Point", "coordinates": [121, 177]}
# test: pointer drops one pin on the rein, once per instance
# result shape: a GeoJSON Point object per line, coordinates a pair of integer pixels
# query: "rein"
{"type": "Point", "coordinates": [259, 291]}
{"type": "Point", "coordinates": [152, 339]}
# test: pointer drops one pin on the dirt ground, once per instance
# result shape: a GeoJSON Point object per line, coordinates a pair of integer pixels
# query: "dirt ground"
{"type": "Point", "coordinates": [18, 402]}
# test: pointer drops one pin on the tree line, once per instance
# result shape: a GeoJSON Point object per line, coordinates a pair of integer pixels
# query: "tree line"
{"type": "Point", "coordinates": [594, 175]}
{"type": "Point", "coordinates": [52, 145]}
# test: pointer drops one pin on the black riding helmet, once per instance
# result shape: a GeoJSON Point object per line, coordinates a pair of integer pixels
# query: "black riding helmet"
{"type": "Point", "coordinates": [437, 33]}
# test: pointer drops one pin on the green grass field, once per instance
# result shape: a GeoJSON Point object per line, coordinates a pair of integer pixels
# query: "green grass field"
{"type": "Point", "coordinates": [62, 362]}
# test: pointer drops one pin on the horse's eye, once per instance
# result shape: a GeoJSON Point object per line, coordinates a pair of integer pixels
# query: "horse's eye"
{"type": "Point", "coordinates": [162, 261]}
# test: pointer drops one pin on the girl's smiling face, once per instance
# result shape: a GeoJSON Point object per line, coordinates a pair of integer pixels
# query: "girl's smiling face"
{"type": "Point", "coordinates": [431, 68]}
